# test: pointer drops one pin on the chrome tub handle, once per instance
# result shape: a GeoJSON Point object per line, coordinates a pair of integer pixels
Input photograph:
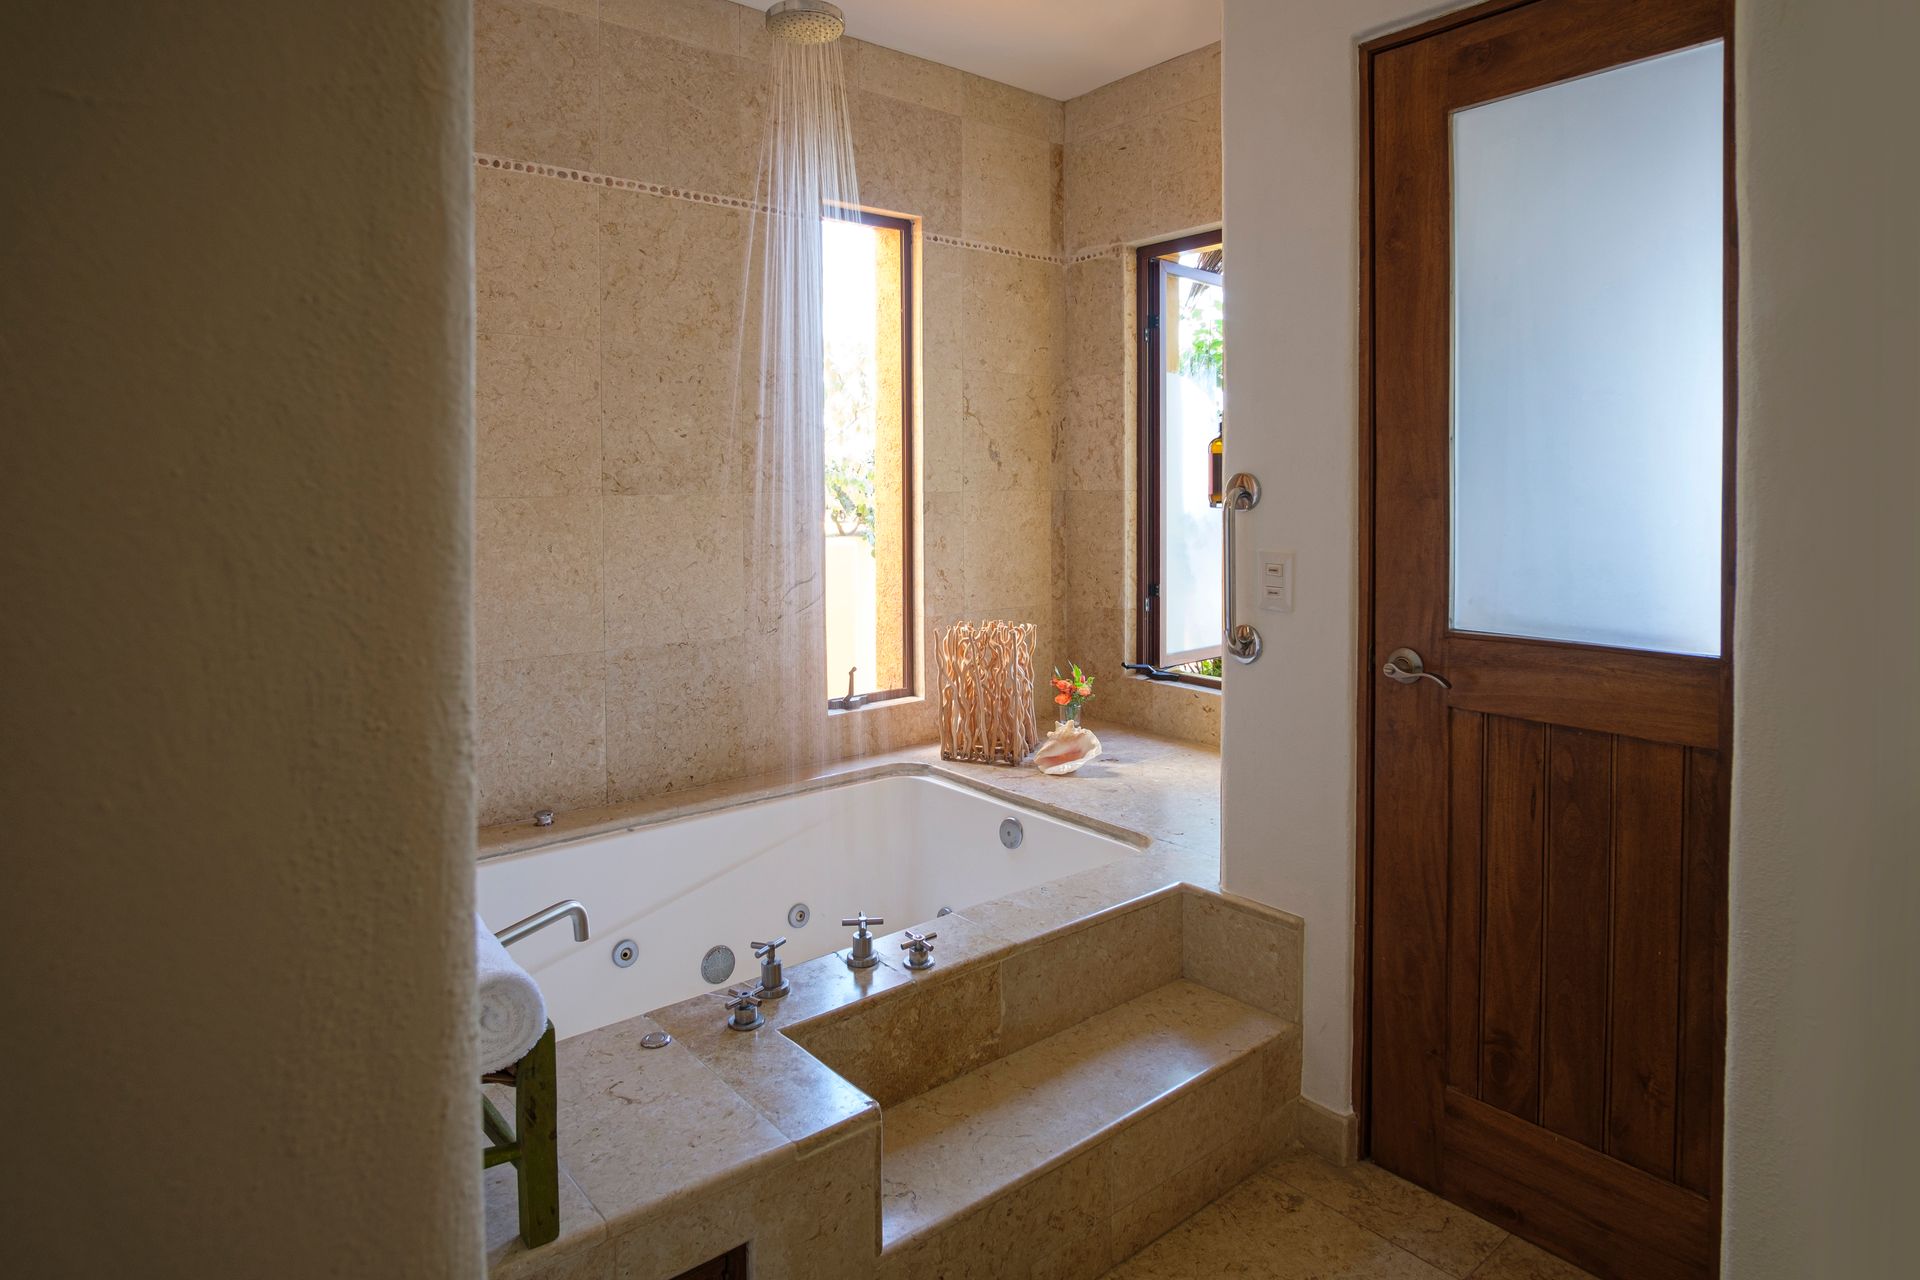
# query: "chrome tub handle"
{"type": "Point", "coordinates": [1239, 639]}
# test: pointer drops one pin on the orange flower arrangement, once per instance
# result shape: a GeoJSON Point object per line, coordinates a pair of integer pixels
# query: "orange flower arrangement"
{"type": "Point", "coordinates": [1073, 690]}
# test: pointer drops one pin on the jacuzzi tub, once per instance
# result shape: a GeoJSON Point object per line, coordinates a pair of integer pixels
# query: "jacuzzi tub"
{"type": "Point", "coordinates": [901, 847]}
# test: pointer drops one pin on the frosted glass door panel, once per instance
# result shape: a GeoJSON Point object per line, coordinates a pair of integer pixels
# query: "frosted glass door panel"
{"type": "Point", "coordinates": [1587, 306]}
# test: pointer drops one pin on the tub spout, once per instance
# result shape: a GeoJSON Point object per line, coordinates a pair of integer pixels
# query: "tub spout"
{"type": "Point", "coordinates": [541, 919]}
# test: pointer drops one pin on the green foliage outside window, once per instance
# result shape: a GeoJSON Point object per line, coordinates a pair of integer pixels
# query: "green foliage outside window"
{"type": "Point", "coordinates": [1204, 329]}
{"type": "Point", "coordinates": [850, 497]}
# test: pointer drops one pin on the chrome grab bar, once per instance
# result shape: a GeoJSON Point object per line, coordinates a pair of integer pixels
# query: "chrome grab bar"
{"type": "Point", "coordinates": [1239, 639]}
{"type": "Point", "coordinates": [544, 917]}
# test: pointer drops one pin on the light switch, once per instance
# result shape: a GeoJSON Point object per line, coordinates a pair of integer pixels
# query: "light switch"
{"type": "Point", "coordinates": [1276, 581]}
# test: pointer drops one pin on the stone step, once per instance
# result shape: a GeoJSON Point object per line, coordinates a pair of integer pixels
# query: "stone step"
{"type": "Point", "coordinates": [1065, 1151]}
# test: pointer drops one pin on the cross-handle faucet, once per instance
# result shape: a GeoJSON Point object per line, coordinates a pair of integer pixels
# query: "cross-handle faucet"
{"type": "Point", "coordinates": [773, 982]}
{"type": "Point", "coordinates": [862, 955]}
{"type": "Point", "coordinates": [744, 1011]}
{"type": "Point", "coordinates": [919, 949]}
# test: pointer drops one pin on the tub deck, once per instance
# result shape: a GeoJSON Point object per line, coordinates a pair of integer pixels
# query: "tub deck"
{"type": "Point", "coordinates": [673, 1156]}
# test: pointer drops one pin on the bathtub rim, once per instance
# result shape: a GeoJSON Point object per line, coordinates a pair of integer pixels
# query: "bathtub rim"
{"type": "Point", "coordinates": [510, 839]}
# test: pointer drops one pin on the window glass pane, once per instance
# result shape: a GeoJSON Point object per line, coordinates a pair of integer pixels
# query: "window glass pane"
{"type": "Point", "coordinates": [1587, 315]}
{"type": "Point", "coordinates": [1192, 348]}
{"type": "Point", "coordinates": [865, 525]}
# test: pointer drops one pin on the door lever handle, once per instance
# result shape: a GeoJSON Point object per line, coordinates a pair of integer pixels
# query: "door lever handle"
{"type": "Point", "coordinates": [1405, 666]}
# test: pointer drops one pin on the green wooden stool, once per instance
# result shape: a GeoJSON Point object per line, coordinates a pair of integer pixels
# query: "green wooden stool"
{"type": "Point", "coordinates": [532, 1144]}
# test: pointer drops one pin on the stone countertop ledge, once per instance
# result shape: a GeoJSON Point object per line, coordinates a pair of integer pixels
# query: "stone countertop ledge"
{"type": "Point", "coordinates": [716, 1108]}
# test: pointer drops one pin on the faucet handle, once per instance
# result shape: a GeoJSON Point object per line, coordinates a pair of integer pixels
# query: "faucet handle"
{"type": "Point", "coordinates": [773, 978]}
{"type": "Point", "coordinates": [743, 1011]}
{"type": "Point", "coordinates": [860, 921]}
{"type": "Point", "coordinates": [919, 949]}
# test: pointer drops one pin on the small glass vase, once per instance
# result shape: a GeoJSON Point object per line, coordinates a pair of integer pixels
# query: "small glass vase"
{"type": "Point", "coordinates": [1067, 748]}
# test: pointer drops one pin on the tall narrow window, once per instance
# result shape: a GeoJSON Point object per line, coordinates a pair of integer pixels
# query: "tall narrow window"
{"type": "Point", "coordinates": [867, 330]}
{"type": "Point", "coordinates": [1182, 430]}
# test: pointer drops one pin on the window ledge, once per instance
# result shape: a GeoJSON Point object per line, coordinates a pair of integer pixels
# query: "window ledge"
{"type": "Point", "coordinates": [914, 699]}
{"type": "Point", "coordinates": [1207, 689]}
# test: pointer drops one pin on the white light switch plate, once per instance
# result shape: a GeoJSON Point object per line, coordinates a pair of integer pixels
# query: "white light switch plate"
{"type": "Point", "coordinates": [1276, 581]}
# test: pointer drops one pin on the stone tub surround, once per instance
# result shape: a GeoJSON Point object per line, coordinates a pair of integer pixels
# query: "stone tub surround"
{"type": "Point", "coordinates": [679, 1154]}
{"type": "Point", "coordinates": [1133, 1095]}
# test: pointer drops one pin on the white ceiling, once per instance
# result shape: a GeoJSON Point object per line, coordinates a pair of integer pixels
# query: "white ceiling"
{"type": "Point", "coordinates": [1061, 48]}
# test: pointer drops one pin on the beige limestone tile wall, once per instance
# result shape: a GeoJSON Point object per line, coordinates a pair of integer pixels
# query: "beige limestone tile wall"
{"type": "Point", "coordinates": [614, 609]}
{"type": "Point", "coordinates": [1142, 163]}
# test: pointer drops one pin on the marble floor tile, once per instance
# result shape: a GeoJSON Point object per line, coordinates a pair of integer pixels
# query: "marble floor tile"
{"type": "Point", "coordinates": [1267, 1228]}
{"type": "Point", "coordinates": [1420, 1222]}
{"type": "Point", "coordinates": [1302, 1218]}
{"type": "Point", "coordinates": [1515, 1259]}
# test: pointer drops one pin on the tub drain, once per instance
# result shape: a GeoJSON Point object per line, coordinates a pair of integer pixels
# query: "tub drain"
{"type": "Point", "coordinates": [717, 965]}
{"type": "Point", "coordinates": [625, 952]}
{"type": "Point", "coordinates": [797, 915]}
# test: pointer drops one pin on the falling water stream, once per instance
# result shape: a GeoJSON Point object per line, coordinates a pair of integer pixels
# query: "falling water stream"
{"type": "Point", "coordinates": [806, 170]}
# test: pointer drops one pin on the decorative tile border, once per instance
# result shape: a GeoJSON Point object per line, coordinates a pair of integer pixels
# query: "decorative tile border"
{"type": "Point", "coordinates": [981, 246]}
{"type": "Point", "coordinates": [1115, 250]}
{"type": "Point", "coordinates": [485, 161]}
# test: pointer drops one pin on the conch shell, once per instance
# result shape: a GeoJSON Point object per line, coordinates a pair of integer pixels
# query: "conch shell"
{"type": "Point", "coordinates": [1067, 748]}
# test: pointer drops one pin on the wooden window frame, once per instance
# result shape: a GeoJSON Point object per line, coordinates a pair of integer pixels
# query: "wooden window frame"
{"type": "Point", "coordinates": [1147, 566]}
{"type": "Point", "coordinates": [909, 650]}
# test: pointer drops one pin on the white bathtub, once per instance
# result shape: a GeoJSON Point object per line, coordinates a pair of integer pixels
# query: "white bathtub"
{"type": "Point", "coordinates": [900, 847]}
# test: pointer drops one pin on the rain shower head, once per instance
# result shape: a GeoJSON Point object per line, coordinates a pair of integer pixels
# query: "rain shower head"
{"type": "Point", "coordinates": [805, 22]}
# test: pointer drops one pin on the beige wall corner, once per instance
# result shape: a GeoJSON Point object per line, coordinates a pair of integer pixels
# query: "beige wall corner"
{"type": "Point", "coordinates": [238, 659]}
{"type": "Point", "coordinates": [1141, 164]}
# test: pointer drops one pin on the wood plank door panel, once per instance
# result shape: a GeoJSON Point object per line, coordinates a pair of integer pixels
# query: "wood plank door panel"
{"type": "Point", "coordinates": [1545, 915]}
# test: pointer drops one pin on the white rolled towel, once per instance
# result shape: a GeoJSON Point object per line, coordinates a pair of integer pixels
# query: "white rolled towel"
{"type": "Point", "coordinates": [513, 1013]}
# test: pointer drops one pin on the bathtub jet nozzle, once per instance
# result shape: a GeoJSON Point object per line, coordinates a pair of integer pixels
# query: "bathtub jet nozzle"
{"type": "Point", "coordinates": [862, 955]}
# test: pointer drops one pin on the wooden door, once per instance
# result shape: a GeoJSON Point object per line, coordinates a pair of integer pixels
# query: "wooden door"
{"type": "Point", "coordinates": [1544, 914]}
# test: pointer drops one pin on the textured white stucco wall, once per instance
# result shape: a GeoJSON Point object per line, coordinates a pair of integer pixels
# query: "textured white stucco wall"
{"type": "Point", "coordinates": [235, 780]}
{"type": "Point", "coordinates": [1290, 100]}
{"type": "Point", "coordinates": [1823, 1052]}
